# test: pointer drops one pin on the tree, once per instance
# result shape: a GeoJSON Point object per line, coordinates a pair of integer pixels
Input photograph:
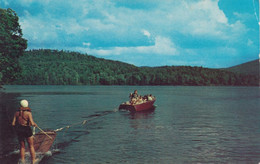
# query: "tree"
{"type": "Point", "coordinates": [12, 45]}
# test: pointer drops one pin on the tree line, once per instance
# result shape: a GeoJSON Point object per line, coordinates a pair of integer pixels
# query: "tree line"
{"type": "Point", "coordinates": [53, 67]}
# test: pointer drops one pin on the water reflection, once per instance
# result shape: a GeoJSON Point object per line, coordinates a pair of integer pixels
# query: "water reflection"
{"type": "Point", "coordinates": [142, 114]}
{"type": "Point", "coordinates": [142, 119]}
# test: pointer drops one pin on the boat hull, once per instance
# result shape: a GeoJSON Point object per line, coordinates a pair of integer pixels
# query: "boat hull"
{"type": "Point", "coordinates": [138, 107]}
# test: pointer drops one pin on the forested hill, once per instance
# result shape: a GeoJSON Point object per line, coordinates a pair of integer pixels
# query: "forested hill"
{"type": "Point", "coordinates": [52, 67]}
{"type": "Point", "coordinates": [250, 68]}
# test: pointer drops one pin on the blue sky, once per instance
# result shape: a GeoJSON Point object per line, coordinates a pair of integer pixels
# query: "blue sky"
{"type": "Point", "coordinates": [208, 33]}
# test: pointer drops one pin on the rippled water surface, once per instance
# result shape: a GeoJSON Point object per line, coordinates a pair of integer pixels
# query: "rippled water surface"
{"type": "Point", "coordinates": [189, 124]}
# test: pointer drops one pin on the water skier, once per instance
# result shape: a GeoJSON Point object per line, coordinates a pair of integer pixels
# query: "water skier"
{"type": "Point", "coordinates": [23, 121]}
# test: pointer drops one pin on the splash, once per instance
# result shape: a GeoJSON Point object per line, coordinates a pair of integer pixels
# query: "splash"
{"type": "Point", "coordinates": [15, 156]}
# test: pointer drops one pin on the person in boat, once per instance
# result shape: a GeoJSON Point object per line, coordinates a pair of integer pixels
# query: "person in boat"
{"type": "Point", "coordinates": [134, 97]}
{"type": "Point", "coordinates": [145, 97]}
{"type": "Point", "coordinates": [133, 100]}
{"type": "Point", "coordinates": [135, 94]}
{"type": "Point", "coordinates": [22, 122]}
{"type": "Point", "coordinates": [150, 97]}
{"type": "Point", "coordinates": [139, 100]}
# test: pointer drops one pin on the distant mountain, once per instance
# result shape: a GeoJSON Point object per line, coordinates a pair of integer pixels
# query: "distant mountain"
{"type": "Point", "coordinates": [249, 68]}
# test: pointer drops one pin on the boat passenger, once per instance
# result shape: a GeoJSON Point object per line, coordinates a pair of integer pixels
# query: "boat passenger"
{"type": "Point", "coordinates": [22, 121]}
{"type": "Point", "coordinates": [133, 101]}
{"type": "Point", "coordinates": [150, 97]}
{"type": "Point", "coordinates": [134, 97]}
{"type": "Point", "coordinates": [145, 98]}
{"type": "Point", "coordinates": [140, 100]}
{"type": "Point", "coordinates": [135, 94]}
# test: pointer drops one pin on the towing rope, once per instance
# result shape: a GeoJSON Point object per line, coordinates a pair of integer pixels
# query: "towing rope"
{"type": "Point", "coordinates": [84, 121]}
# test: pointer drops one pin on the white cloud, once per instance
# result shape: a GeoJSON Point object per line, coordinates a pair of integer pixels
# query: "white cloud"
{"type": "Point", "coordinates": [199, 18]}
{"type": "Point", "coordinates": [103, 28]}
{"type": "Point", "coordinates": [162, 46]}
{"type": "Point", "coordinates": [209, 9]}
{"type": "Point", "coordinates": [86, 44]}
{"type": "Point", "coordinates": [40, 33]}
{"type": "Point", "coordinates": [236, 31]}
{"type": "Point", "coordinates": [71, 26]}
{"type": "Point", "coordinates": [146, 33]}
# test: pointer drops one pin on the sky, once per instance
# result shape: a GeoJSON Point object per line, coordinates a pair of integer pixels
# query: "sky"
{"type": "Point", "coordinates": [207, 33]}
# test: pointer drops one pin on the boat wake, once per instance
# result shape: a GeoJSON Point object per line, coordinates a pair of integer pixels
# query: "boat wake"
{"type": "Point", "coordinates": [101, 113]}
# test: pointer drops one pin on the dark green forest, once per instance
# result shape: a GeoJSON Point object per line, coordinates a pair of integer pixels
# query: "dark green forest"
{"type": "Point", "coordinates": [53, 67]}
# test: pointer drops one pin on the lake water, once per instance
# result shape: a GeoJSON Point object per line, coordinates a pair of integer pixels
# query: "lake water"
{"type": "Point", "coordinates": [189, 124]}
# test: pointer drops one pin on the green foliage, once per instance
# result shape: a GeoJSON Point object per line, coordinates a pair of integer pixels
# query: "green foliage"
{"type": "Point", "coordinates": [52, 67]}
{"type": "Point", "coordinates": [12, 45]}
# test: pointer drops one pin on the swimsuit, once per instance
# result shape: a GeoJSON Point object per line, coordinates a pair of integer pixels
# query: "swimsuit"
{"type": "Point", "coordinates": [23, 131]}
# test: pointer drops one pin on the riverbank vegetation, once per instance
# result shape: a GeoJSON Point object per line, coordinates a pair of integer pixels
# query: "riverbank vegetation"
{"type": "Point", "coordinates": [53, 67]}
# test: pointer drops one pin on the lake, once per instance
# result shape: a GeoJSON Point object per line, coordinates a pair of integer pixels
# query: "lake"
{"type": "Point", "coordinates": [189, 125]}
